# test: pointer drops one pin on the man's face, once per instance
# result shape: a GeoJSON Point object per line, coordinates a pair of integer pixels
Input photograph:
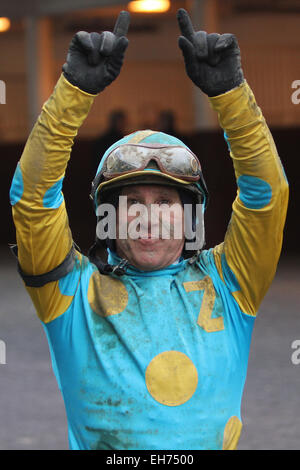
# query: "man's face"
{"type": "Point", "coordinates": [153, 221]}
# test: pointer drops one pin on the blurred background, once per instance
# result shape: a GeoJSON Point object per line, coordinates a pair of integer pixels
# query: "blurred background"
{"type": "Point", "coordinates": [154, 92]}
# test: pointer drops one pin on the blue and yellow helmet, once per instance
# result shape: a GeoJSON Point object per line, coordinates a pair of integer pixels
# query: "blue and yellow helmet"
{"type": "Point", "coordinates": [152, 174]}
{"type": "Point", "coordinates": [168, 162]}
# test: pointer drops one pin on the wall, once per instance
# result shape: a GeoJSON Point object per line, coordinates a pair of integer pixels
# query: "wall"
{"type": "Point", "coordinates": [153, 76]}
{"type": "Point", "coordinates": [270, 46]}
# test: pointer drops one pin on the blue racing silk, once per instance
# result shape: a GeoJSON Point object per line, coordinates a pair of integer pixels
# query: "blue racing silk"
{"type": "Point", "coordinates": [151, 360]}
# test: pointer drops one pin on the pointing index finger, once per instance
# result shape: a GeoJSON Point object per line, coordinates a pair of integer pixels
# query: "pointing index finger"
{"type": "Point", "coordinates": [185, 24]}
{"type": "Point", "coordinates": [122, 24]}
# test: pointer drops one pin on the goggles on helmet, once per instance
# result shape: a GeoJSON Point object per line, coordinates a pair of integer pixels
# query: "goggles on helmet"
{"type": "Point", "coordinates": [175, 161]}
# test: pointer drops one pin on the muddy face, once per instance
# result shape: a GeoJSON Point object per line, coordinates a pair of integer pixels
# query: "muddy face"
{"type": "Point", "coordinates": [155, 233]}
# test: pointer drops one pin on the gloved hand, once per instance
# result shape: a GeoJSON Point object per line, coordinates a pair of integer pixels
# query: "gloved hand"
{"type": "Point", "coordinates": [212, 61]}
{"type": "Point", "coordinates": [94, 60]}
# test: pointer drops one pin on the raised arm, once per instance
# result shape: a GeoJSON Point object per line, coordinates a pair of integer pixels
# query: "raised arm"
{"type": "Point", "coordinates": [248, 257]}
{"type": "Point", "coordinates": [44, 239]}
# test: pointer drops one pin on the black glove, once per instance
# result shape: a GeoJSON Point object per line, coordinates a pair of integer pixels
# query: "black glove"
{"type": "Point", "coordinates": [94, 60]}
{"type": "Point", "coordinates": [212, 61]}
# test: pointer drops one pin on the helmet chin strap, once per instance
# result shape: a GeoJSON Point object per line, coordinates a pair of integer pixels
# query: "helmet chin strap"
{"type": "Point", "coordinates": [103, 267]}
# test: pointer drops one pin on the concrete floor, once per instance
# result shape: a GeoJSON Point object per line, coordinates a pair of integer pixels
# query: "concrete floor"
{"type": "Point", "coordinates": [32, 413]}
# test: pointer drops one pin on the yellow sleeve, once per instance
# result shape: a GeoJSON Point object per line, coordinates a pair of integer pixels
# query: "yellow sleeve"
{"type": "Point", "coordinates": [248, 257]}
{"type": "Point", "coordinates": [42, 230]}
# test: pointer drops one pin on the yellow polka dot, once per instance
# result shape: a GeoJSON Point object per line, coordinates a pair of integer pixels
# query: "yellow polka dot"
{"type": "Point", "coordinates": [106, 295]}
{"type": "Point", "coordinates": [171, 378]}
{"type": "Point", "coordinates": [232, 433]}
